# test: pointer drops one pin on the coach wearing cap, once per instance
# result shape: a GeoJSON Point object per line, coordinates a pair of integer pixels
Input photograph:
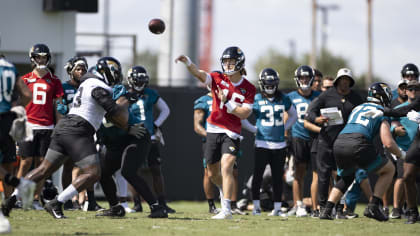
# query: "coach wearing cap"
{"type": "Point", "coordinates": [399, 95]}
{"type": "Point", "coordinates": [342, 97]}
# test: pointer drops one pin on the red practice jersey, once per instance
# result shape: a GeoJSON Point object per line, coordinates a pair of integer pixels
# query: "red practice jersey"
{"type": "Point", "coordinates": [241, 94]}
{"type": "Point", "coordinates": [40, 110]}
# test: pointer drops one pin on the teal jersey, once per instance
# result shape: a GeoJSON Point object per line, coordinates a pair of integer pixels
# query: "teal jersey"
{"type": "Point", "coordinates": [204, 103]}
{"type": "Point", "coordinates": [269, 117]}
{"type": "Point", "coordinates": [142, 110]}
{"type": "Point", "coordinates": [8, 76]}
{"type": "Point", "coordinates": [301, 105]}
{"type": "Point", "coordinates": [69, 92]}
{"type": "Point", "coordinates": [411, 128]}
{"type": "Point", "coordinates": [358, 123]}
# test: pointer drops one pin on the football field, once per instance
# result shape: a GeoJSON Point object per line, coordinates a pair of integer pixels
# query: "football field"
{"type": "Point", "coordinates": [192, 219]}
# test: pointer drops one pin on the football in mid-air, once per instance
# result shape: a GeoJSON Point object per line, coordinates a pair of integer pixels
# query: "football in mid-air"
{"type": "Point", "coordinates": [156, 26]}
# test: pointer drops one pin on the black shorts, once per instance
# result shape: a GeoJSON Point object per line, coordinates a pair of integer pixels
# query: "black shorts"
{"type": "Point", "coordinates": [38, 146]}
{"type": "Point", "coordinates": [73, 137]}
{"type": "Point", "coordinates": [413, 153]}
{"type": "Point", "coordinates": [154, 158]}
{"type": "Point", "coordinates": [302, 151]}
{"type": "Point", "coordinates": [218, 144]}
{"type": "Point", "coordinates": [7, 144]}
{"type": "Point", "coordinates": [352, 151]}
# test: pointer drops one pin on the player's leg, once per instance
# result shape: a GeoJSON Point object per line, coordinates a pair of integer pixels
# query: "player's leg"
{"type": "Point", "coordinates": [66, 177]}
{"type": "Point", "coordinates": [212, 153]}
{"type": "Point", "coordinates": [398, 191]}
{"type": "Point", "coordinates": [155, 165]}
{"type": "Point", "coordinates": [133, 158]}
{"type": "Point", "coordinates": [302, 154]}
{"type": "Point", "coordinates": [208, 189]}
{"type": "Point", "coordinates": [410, 172]}
{"type": "Point", "coordinates": [277, 160]}
{"type": "Point", "coordinates": [260, 162]}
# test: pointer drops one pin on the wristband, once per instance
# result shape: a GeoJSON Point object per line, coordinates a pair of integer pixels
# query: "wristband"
{"type": "Point", "coordinates": [231, 105]}
{"type": "Point", "coordinates": [188, 62]}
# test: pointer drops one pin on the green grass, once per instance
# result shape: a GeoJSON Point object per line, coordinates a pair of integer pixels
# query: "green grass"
{"type": "Point", "coordinates": [192, 219]}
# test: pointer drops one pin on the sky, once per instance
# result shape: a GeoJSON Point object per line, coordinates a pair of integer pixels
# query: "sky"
{"type": "Point", "coordinates": [256, 26]}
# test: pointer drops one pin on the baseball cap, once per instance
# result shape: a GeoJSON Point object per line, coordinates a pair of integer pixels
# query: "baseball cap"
{"type": "Point", "coordinates": [413, 83]}
{"type": "Point", "coordinates": [344, 72]}
{"type": "Point", "coordinates": [402, 81]}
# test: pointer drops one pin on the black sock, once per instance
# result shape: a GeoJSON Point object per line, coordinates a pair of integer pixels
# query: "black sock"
{"type": "Point", "coordinates": [91, 196]}
{"type": "Point", "coordinates": [376, 200]}
{"type": "Point", "coordinates": [161, 200]}
{"type": "Point", "coordinates": [233, 205]}
{"type": "Point", "coordinates": [211, 202]}
{"type": "Point", "coordinates": [329, 206]}
{"type": "Point", "coordinates": [11, 180]}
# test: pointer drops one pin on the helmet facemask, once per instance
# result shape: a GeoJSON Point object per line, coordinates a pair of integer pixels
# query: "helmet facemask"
{"type": "Point", "coordinates": [138, 82]}
{"type": "Point", "coordinates": [304, 82]}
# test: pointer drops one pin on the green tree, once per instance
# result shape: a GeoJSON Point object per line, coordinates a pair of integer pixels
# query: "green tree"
{"type": "Point", "coordinates": [284, 65]}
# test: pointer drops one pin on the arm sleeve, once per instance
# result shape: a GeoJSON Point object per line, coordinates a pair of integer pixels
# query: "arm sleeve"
{"type": "Point", "coordinates": [208, 80]}
{"type": "Point", "coordinates": [248, 126]}
{"type": "Point", "coordinates": [104, 99]}
{"type": "Point", "coordinates": [402, 111]}
{"type": "Point", "coordinates": [313, 110]}
{"type": "Point", "coordinates": [292, 118]}
{"type": "Point", "coordinates": [164, 112]}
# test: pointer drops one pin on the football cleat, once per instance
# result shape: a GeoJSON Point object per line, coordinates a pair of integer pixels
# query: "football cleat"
{"type": "Point", "coordinates": [373, 211]}
{"type": "Point", "coordinates": [114, 211]}
{"type": "Point", "coordinates": [55, 208]}
{"type": "Point", "coordinates": [395, 213]}
{"type": "Point", "coordinates": [8, 204]}
{"type": "Point", "coordinates": [277, 213]}
{"type": "Point", "coordinates": [301, 212]}
{"type": "Point", "coordinates": [223, 215]}
{"type": "Point", "coordinates": [157, 211]}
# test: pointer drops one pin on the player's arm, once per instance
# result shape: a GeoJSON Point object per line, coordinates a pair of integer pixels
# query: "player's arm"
{"type": "Point", "coordinates": [60, 108]}
{"type": "Point", "coordinates": [311, 126]}
{"type": "Point", "coordinates": [397, 128]}
{"type": "Point", "coordinates": [192, 68]}
{"type": "Point", "coordinates": [291, 117]}
{"type": "Point", "coordinates": [24, 92]}
{"type": "Point", "coordinates": [388, 141]}
{"type": "Point", "coordinates": [164, 112]}
{"type": "Point", "coordinates": [242, 111]}
{"type": "Point", "coordinates": [198, 122]}
{"type": "Point", "coordinates": [116, 113]}
{"type": "Point", "coordinates": [248, 126]}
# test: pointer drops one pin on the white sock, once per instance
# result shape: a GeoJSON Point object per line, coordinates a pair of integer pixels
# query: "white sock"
{"type": "Point", "coordinates": [221, 195]}
{"type": "Point", "coordinates": [121, 184]}
{"type": "Point", "coordinates": [277, 206]}
{"type": "Point", "coordinates": [299, 203]}
{"type": "Point", "coordinates": [67, 194]}
{"type": "Point", "coordinates": [226, 205]}
{"type": "Point", "coordinates": [16, 193]}
{"type": "Point", "coordinates": [257, 204]}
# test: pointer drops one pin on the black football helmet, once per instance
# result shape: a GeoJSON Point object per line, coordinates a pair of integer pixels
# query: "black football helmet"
{"type": "Point", "coordinates": [380, 93]}
{"type": "Point", "coordinates": [49, 192]}
{"type": "Point", "coordinates": [233, 53]}
{"type": "Point", "coordinates": [268, 81]}
{"type": "Point", "coordinates": [137, 78]}
{"type": "Point", "coordinates": [410, 69]}
{"type": "Point", "coordinates": [304, 71]}
{"type": "Point", "coordinates": [40, 49]}
{"type": "Point", "coordinates": [73, 62]}
{"type": "Point", "coordinates": [110, 69]}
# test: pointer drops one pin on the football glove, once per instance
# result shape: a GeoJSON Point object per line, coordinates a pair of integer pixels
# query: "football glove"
{"type": "Point", "coordinates": [137, 130]}
{"type": "Point", "coordinates": [414, 116]}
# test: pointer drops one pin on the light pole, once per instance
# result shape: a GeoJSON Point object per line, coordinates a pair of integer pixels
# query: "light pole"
{"type": "Point", "coordinates": [324, 27]}
{"type": "Point", "coordinates": [370, 44]}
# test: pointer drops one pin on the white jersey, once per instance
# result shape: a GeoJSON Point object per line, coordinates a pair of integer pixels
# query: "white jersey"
{"type": "Point", "coordinates": [85, 106]}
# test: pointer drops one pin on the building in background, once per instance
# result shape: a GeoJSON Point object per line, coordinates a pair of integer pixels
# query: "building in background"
{"type": "Point", "coordinates": [24, 23]}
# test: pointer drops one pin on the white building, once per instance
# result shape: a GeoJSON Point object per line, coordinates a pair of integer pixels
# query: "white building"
{"type": "Point", "coordinates": [24, 23]}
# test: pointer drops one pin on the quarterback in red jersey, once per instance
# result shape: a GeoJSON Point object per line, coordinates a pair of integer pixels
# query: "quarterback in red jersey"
{"type": "Point", "coordinates": [233, 96]}
{"type": "Point", "coordinates": [45, 88]}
